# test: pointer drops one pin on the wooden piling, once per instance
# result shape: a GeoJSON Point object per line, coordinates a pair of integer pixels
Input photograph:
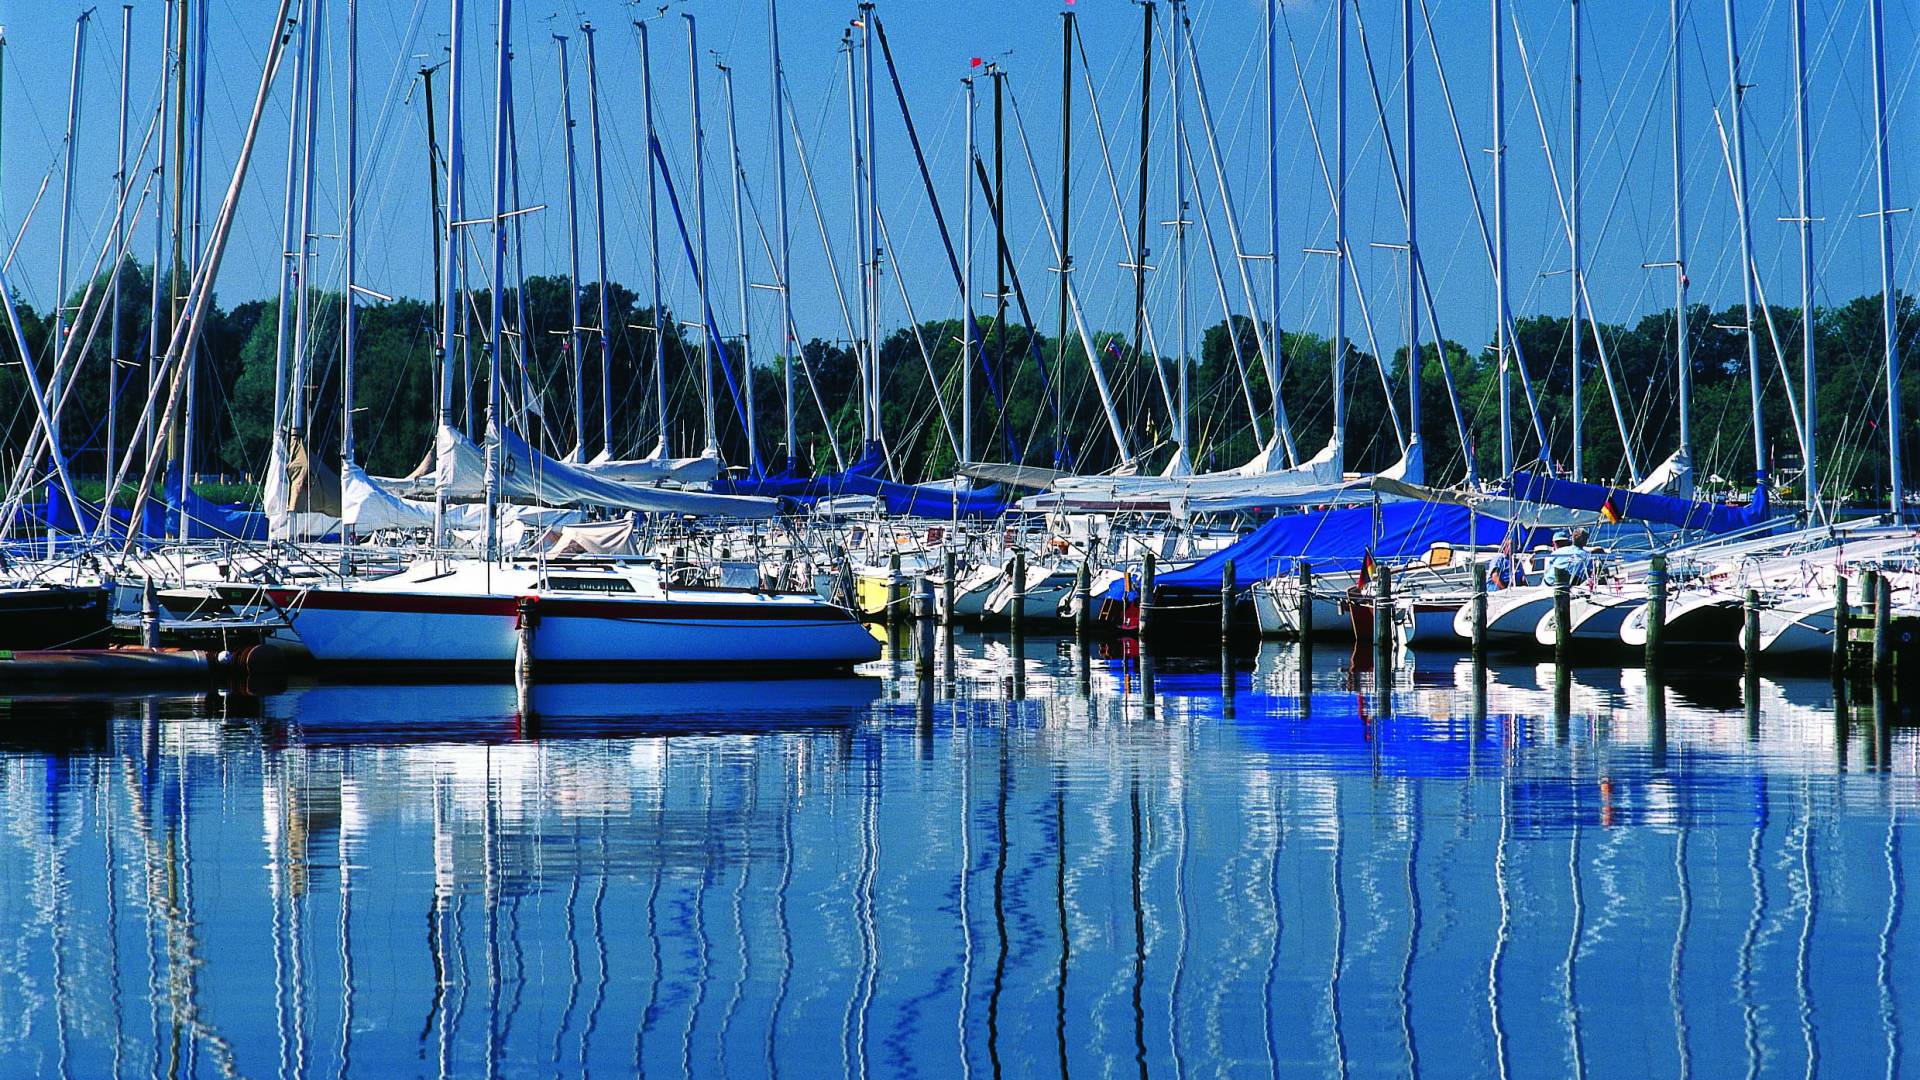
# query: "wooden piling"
{"type": "Point", "coordinates": [1017, 610]}
{"type": "Point", "coordinates": [1656, 606]}
{"type": "Point", "coordinates": [924, 625]}
{"type": "Point", "coordinates": [1882, 627]}
{"type": "Point", "coordinates": [948, 567]}
{"type": "Point", "coordinates": [1383, 611]}
{"type": "Point", "coordinates": [1304, 601]}
{"type": "Point", "coordinates": [1083, 600]}
{"type": "Point", "coordinates": [527, 619]}
{"type": "Point", "coordinates": [1226, 604]}
{"type": "Point", "coordinates": [1562, 618]}
{"type": "Point", "coordinates": [1750, 628]}
{"type": "Point", "coordinates": [1842, 627]}
{"type": "Point", "coordinates": [1146, 595]}
{"type": "Point", "coordinates": [1479, 611]}
{"type": "Point", "coordinates": [149, 616]}
{"type": "Point", "coordinates": [896, 590]}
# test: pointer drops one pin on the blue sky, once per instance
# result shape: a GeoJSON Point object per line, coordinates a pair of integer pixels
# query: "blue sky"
{"type": "Point", "coordinates": [1625, 174]}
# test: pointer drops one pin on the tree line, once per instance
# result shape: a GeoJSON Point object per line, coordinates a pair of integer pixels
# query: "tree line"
{"type": "Point", "coordinates": [1034, 398]}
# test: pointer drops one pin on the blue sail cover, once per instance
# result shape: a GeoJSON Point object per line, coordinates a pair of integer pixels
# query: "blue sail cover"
{"type": "Point", "coordinates": [863, 477]}
{"type": "Point", "coordinates": [1659, 509]}
{"type": "Point", "coordinates": [1334, 540]}
{"type": "Point", "coordinates": [159, 520]}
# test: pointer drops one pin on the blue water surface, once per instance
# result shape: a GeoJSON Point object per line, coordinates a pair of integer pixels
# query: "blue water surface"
{"type": "Point", "coordinates": [1048, 864]}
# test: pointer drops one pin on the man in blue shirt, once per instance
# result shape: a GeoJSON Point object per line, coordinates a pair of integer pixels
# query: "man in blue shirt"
{"type": "Point", "coordinates": [1570, 554]}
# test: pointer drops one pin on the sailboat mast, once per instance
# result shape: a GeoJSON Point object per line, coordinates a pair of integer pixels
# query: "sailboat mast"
{"type": "Point", "coordinates": [1140, 202]}
{"type": "Point", "coordinates": [1180, 243]}
{"type": "Point", "coordinates": [791, 349]}
{"type": "Point", "coordinates": [1735, 92]}
{"type": "Point", "coordinates": [450, 302]}
{"type": "Point", "coordinates": [1066, 231]}
{"type": "Point", "coordinates": [1573, 232]}
{"type": "Point", "coordinates": [303, 241]}
{"type": "Point", "coordinates": [575, 361]}
{"type": "Point", "coordinates": [872, 252]}
{"type": "Point", "coordinates": [605, 331]}
{"type": "Point", "coordinates": [966, 286]}
{"type": "Point", "coordinates": [700, 220]}
{"type": "Point", "coordinates": [114, 360]}
{"type": "Point", "coordinates": [1416, 457]}
{"type": "Point", "coordinates": [653, 247]}
{"type": "Point", "coordinates": [349, 333]}
{"type": "Point", "coordinates": [740, 263]}
{"type": "Point", "coordinates": [496, 320]}
{"type": "Point", "coordinates": [1682, 343]}
{"type": "Point", "coordinates": [1340, 235]}
{"type": "Point", "coordinates": [156, 337]}
{"type": "Point", "coordinates": [60, 325]}
{"type": "Point", "coordinates": [1803, 160]}
{"type": "Point", "coordinates": [1889, 304]}
{"type": "Point", "coordinates": [1502, 346]}
{"type": "Point", "coordinates": [1270, 27]}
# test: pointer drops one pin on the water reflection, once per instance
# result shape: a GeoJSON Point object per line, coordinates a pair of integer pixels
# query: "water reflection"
{"type": "Point", "coordinates": [1041, 860]}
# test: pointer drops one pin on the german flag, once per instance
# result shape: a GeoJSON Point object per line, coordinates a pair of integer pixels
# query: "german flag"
{"type": "Point", "coordinates": [1609, 512]}
{"type": "Point", "coordinates": [1367, 566]}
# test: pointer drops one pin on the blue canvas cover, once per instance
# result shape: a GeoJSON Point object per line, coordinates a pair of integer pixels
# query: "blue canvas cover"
{"type": "Point", "coordinates": [1334, 540]}
{"type": "Point", "coordinates": [206, 520]}
{"type": "Point", "coordinates": [1659, 509]}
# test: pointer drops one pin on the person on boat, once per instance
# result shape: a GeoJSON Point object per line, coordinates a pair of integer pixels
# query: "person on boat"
{"type": "Point", "coordinates": [1509, 572]}
{"type": "Point", "coordinates": [1570, 554]}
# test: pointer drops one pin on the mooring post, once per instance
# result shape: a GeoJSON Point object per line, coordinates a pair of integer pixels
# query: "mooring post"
{"type": "Point", "coordinates": [1146, 595]}
{"type": "Point", "coordinates": [1562, 617]}
{"type": "Point", "coordinates": [1842, 627]}
{"type": "Point", "coordinates": [1226, 604]}
{"type": "Point", "coordinates": [1017, 611]}
{"type": "Point", "coordinates": [1479, 616]}
{"type": "Point", "coordinates": [896, 590]}
{"type": "Point", "coordinates": [1882, 627]}
{"type": "Point", "coordinates": [1383, 620]}
{"type": "Point", "coordinates": [149, 616]}
{"type": "Point", "coordinates": [1303, 622]}
{"type": "Point", "coordinates": [1869, 598]}
{"type": "Point", "coordinates": [1656, 606]}
{"type": "Point", "coordinates": [948, 567]}
{"type": "Point", "coordinates": [1083, 600]}
{"type": "Point", "coordinates": [924, 640]}
{"type": "Point", "coordinates": [1750, 628]}
{"type": "Point", "coordinates": [526, 618]}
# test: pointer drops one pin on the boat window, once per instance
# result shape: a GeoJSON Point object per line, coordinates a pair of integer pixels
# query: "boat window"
{"type": "Point", "coordinates": [608, 584]}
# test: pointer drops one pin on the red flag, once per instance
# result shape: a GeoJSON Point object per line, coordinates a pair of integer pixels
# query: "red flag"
{"type": "Point", "coordinates": [976, 62]}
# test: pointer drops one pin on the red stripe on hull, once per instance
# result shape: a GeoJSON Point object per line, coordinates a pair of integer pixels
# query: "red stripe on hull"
{"type": "Point", "coordinates": [554, 607]}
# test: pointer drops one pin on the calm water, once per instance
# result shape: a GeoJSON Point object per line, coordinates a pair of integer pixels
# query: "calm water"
{"type": "Point", "coordinates": [1094, 870]}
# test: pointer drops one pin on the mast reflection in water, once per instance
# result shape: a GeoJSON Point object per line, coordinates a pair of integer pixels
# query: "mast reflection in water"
{"type": "Point", "coordinates": [1091, 868]}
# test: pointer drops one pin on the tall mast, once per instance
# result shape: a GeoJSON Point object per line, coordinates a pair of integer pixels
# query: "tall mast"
{"type": "Point", "coordinates": [605, 332]}
{"type": "Point", "coordinates": [700, 218]}
{"type": "Point", "coordinates": [1803, 154]}
{"type": "Point", "coordinates": [1416, 454]}
{"type": "Point", "coordinates": [998, 208]}
{"type": "Point", "coordinates": [303, 240]}
{"type": "Point", "coordinates": [653, 246]}
{"type": "Point", "coordinates": [1140, 203]}
{"type": "Point", "coordinates": [1682, 342]}
{"type": "Point", "coordinates": [187, 256]}
{"type": "Point", "coordinates": [1502, 346]}
{"type": "Point", "coordinates": [740, 262]}
{"type": "Point", "coordinates": [1735, 92]}
{"type": "Point", "coordinates": [1066, 228]}
{"type": "Point", "coordinates": [349, 332]}
{"type": "Point", "coordinates": [1183, 460]}
{"type": "Point", "coordinates": [496, 321]}
{"type": "Point", "coordinates": [574, 359]}
{"type": "Point", "coordinates": [156, 337]}
{"type": "Point", "coordinates": [66, 210]}
{"type": "Point", "coordinates": [872, 253]}
{"type": "Point", "coordinates": [1270, 27]}
{"type": "Point", "coordinates": [450, 315]}
{"type": "Point", "coordinates": [114, 360]}
{"type": "Point", "coordinates": [1889, 304]}
{"type": "Point", "coordinates": [791, 348]}
{"type": "Point", "coordinates": [1340, 236]}
{"type": "Point", "coordinates": [1573, 233]}
{"type": "Point", "coordinates": [966, 288]}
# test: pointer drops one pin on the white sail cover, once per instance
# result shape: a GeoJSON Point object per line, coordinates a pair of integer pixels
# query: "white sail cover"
{"type": "Point", "coordinates": [368, 507]}
{"type": "Point", "coordinates": [526, 473]}
{"type": "Point", "coordinates": [656, 467]}
{"type": "Point", "coordinates": [1322, 472]}
{"type": "Point", "coordinates": [1673, 476]}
